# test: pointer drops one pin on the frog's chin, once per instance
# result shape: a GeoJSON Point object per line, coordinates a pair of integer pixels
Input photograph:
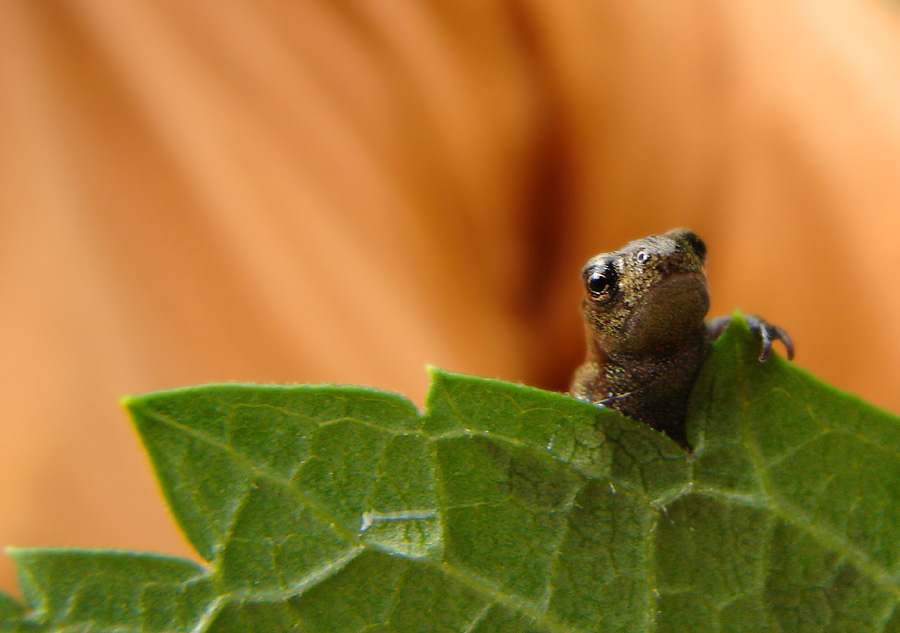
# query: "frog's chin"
{"type": "Point", "coordinates": [670, 315]}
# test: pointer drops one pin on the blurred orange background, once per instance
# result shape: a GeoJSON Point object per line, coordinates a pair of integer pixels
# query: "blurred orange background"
{"type": "Point", "coordinates": [343, 192]}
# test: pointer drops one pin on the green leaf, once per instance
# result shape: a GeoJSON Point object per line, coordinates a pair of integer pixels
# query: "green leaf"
{"type": "Point", "coordinates": [83, 590]}
{"type": "Point", "coordinates": [10, 612]}
{"type": "Point", "coordinates": [804, 479]}
{"type": "Point", "coordinates": [502, 508]}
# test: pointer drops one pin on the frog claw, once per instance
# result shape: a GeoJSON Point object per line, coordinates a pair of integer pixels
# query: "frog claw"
{"type": "Point", "coordinates": [769, 333]}
{"type": "Point", "coordinates": [766, 332]}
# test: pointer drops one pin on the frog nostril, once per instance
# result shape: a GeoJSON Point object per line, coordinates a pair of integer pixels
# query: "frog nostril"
{"type": "Point", "coordinates": [642, 257]}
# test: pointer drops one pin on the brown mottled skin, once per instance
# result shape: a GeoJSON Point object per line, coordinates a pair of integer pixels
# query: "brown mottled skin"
{"type": "Point", "coordinates": [644, 308]}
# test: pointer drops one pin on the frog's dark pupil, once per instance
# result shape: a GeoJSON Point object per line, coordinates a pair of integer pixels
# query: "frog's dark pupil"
{"type": "Point", "coordinates": [603, 281]}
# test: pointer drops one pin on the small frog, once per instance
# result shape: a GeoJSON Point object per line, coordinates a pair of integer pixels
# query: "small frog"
{"type": "Point", "coordinates": [644, 308]}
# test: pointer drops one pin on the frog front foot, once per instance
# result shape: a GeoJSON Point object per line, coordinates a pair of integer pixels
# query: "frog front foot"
{"type": "Point", "coordinates": [766, 332]}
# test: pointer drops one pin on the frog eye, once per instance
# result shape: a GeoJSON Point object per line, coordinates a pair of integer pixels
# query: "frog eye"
{"type": "Point", "coordinates": [696, 243]}
{"type": "Point", "coordinates": [642, 257]}
{"type": "Point", "coordinates": [602, 282]}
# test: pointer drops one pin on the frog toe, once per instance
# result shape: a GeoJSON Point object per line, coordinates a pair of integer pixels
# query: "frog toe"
{"type": "Point", "coordinates": [767, 334]}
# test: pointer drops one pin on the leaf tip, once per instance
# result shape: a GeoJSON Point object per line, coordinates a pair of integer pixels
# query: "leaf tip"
{"type": "Point", "coordinates": [130, 405]}
{"type": "Point", "coordinates": [436, 375]}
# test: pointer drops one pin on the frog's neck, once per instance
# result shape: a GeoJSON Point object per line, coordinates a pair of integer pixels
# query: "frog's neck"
{"type": "Point", "coordinates": [623, 373]}
{"type": "Point", "coordinates": [653, 388]}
